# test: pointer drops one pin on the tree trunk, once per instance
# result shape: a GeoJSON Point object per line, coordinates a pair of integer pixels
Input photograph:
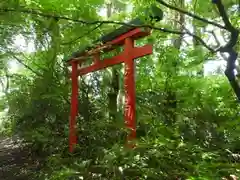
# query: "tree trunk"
{"type": "Point", "coordinates": [171, 95]}
{"type": "Point", "coordinates": [114, 82]}
{"type": "Point", "coordinates": [196, 45]}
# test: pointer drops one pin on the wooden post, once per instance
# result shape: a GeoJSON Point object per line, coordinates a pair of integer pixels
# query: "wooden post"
{"type": "Point", "coordinates": [74, 107]}
{"type": "Point", "coordinates": [129, 85]}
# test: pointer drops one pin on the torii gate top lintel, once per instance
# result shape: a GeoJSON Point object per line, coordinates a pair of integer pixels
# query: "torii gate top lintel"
{"type": "Point", "coordinates": [134, 34]}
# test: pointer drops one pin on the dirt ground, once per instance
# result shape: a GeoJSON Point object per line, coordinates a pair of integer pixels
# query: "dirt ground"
{"type": "Point", "coordinates": [16, 163]}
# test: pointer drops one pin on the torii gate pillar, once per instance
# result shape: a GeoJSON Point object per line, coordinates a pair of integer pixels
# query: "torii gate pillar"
{"type": "Point", "coordinates": [129, 86]}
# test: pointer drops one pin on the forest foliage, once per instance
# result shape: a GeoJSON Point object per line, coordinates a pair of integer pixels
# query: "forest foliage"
{"type": "Point", "coordinates": [188, 118]}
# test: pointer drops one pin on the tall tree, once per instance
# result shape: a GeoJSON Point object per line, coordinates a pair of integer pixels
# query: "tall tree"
{"type": "Point", "coordinates": [114, 6]}
{"type": "Point", "coordinates": [171, 93]}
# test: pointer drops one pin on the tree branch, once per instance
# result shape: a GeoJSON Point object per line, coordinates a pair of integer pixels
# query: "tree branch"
{"type": "Point", "coordinates": [84, 35]}
{"type": "Point", "coordinates": [39, 74]}
{"type": "Point", "coordinates": [224, 15]}
{"type": "Point", "coordinates": [7, 82]}
{"type": "Point", "coordinates": [26, 66]}
{"type": "Point", "coordinates": [218, 44]}
{"type": "Point", "coordinates": [191, 15]}
{"type": "Point", "coordinates": [229, 48]}
{"type": "Point", "coordinates": [38, 13]}
{"type": "Point", "coordinates": [2, 85]}
{"type": "Point", "coordinates": [56, 16]}
{"type": "Point", "coordinates": [234, 31]}
{"type": "Point", "coordinates": [197, 38]}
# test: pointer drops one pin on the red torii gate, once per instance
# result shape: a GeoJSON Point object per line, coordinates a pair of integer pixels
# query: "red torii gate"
{"type": "Point", "coordinates": [130, 52]}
